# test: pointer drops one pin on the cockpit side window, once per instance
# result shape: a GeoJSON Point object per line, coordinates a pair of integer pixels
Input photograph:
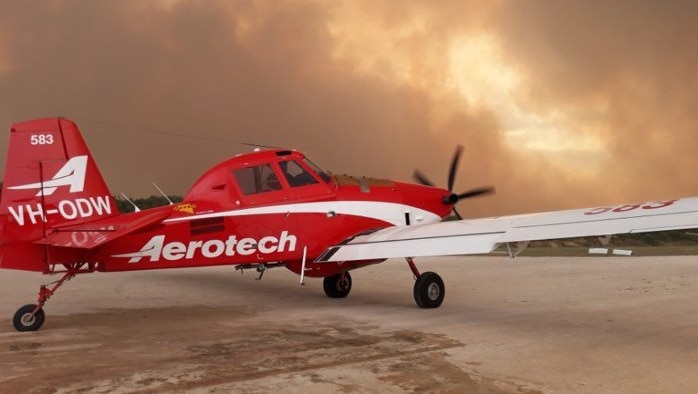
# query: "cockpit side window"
{"type": "Point", "coordinates": [257, 179]}
{"type": "Point", "coordinates": [295, 174]}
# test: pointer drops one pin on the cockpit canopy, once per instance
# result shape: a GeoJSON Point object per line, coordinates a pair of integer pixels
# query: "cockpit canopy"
{"type": "Point", "coordinates": [253, 176]}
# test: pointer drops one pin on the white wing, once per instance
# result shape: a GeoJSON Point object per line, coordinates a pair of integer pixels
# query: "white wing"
{"type": "Point", "coordinates": [479, 236]}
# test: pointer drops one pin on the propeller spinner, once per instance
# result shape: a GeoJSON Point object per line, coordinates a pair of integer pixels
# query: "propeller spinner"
{"type": "Point", "coordinates": [453, 198]}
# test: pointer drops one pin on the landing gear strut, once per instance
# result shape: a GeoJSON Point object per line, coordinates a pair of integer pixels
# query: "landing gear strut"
{"type": "Point", "coordinates": [429, 290]}
{"type": "Point", "coordinates": [337, 286]}
{"type": "Point", "coordinates": [31, 317]}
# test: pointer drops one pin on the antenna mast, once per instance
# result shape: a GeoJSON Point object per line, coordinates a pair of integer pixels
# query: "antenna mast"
{"type": "Point", "coordinates": [163, 193]}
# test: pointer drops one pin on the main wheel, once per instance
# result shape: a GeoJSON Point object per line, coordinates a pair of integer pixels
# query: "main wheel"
{"type": "Point", "coordinates": [429, 290]}
{"type": "Point", "coordinates": [337, 286]}
{"type": "Point", "coordinates": [24, 321]}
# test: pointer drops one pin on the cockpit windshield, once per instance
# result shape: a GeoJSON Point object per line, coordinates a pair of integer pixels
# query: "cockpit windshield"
{"type": "Point", "coordinates": [317, 169]}
{"type": "Point", "coordinates": [295, 174]}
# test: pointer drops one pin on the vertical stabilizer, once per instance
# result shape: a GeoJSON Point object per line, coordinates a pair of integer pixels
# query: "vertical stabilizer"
{"type": "Point", "coordinates": [50, 180]}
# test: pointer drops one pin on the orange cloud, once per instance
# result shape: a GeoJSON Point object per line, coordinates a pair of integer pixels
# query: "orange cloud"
{"type": "Point", "coordinates": [559, 105]}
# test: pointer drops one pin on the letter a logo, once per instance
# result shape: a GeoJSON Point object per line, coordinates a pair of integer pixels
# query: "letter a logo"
{"type": "Point", "coordinates": [71, 174]}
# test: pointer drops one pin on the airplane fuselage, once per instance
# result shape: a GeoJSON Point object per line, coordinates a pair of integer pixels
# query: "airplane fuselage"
{"type": "Point", "coordinates": [218, 224]}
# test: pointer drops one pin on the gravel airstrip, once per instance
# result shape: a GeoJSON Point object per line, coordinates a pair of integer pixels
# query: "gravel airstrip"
{"type": "Point", "coordinates": [527, 325]}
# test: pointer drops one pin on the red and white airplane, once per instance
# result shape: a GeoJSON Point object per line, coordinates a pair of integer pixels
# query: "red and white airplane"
{"type": "Point", "coordinates": [260, 210]}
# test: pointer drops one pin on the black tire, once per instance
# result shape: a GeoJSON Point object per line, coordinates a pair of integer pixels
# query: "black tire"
{"type": "Point", "coordinates": [429, 290]}
{"type": "Point", "coordinates": [24, 321]}
{"type": "Point", "coordinates": [337, 286]}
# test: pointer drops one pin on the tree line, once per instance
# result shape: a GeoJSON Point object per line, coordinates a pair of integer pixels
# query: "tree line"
{"type": "Point", "coordinates": [145, 203]}
{"type": "Point", "coordinates": [142, 203]}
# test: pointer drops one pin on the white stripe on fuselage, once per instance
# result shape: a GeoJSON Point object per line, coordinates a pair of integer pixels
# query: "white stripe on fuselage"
{"type": "Point", "coordinates": [392, 213]}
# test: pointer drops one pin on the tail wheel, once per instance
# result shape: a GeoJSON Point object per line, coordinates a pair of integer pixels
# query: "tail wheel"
{"type": "Point", "coordinates": [24, 320]}
{"type": "Point", "coordinates": [429, 290]}
{"type": "Point", "coordinates": [337, 286]}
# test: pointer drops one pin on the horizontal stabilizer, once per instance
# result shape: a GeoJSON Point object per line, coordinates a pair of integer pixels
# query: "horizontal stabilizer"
{"type": "Point", "coordinates": [94, 234]}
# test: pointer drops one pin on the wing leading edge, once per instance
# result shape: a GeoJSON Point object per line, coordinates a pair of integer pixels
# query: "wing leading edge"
{"type": "Point", "coordinates": [478, 236]}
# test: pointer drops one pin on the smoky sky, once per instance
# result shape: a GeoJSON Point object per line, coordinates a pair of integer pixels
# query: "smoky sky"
{"type": "Point", "coordinates": [363, 88]}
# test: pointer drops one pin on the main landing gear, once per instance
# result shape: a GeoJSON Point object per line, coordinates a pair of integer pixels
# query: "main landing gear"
{"type": "Point", "coordinates": [337, 286]}
{"type": "Point", "coordinates": [429, 290]}
{"type": "Point", "coordinates": [31, 317]}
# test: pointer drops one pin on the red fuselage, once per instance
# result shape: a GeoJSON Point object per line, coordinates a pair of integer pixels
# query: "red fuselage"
{"type": "Point", "coordinates": [261, 207]}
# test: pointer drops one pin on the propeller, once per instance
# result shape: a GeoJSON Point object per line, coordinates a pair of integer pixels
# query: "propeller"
{"type": "Point", "coordinates": [453, 198]}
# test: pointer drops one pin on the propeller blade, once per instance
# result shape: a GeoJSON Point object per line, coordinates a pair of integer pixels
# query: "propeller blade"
{"type": "Point", "coordinates": [452, 198]}
{"type": "Point", "coordinates": [457, 214]}
{"type": "Point", "coordinates": [454, 165]}
{"type": "Point", "coordinates": [419, 177]}
{"type": "Point", "coordinates": [476, 192]}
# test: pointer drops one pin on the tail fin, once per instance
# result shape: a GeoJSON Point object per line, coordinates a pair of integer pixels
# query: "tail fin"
{"type": "Point", "coordinates": [50, 180]}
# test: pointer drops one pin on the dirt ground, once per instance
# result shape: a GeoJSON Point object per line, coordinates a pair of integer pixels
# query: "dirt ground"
{"type": "Point", "coordinates": [529, 325]}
